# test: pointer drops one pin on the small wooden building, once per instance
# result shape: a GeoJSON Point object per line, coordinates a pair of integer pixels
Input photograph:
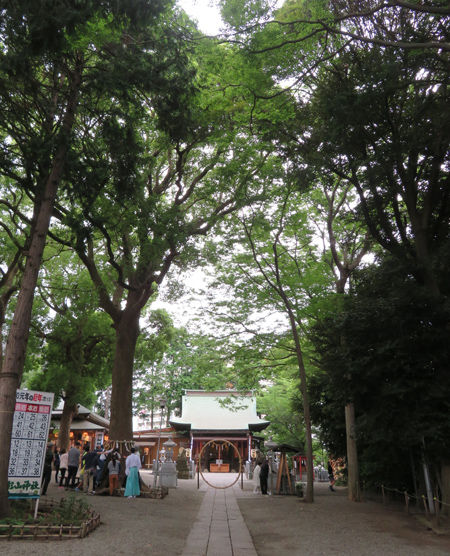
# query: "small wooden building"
{"type": "Point", "coordinates": [147, 442]}
{"type": "Point", "coordinates": [86, 427]}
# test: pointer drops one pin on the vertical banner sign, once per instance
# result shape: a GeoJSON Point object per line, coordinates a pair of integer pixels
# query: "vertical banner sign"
{"type": "Point", "coordinates": [98, 439]}
{"type": "Point", "coordinates": [31, 424]}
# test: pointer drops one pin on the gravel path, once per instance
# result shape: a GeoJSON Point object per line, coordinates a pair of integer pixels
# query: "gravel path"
{"type": "Point", "coordinates": [286, 526]}
{"type": "Point", "coordinates": [128, 526]}
{"type": "Point", "coordinates": [281, 525]}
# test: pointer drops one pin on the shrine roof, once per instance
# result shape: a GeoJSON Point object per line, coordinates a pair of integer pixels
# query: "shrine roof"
{"type": "Point", "coordinates": [83, 414]}
{"type": "Point", "coordinates": [223, 410]}
{"type": "Point", "coordinates": [82, 425]}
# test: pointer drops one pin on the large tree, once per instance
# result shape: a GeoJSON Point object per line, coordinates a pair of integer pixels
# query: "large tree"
{"type": "Point", "coordinates": [59, 60]}
{"type": "Point", "coordinates": [394, 364]}
{"type": "Point", "coordinates": [159, 193]}
{"type": "Point", "coordinates": [346, 242]}
{"type": "Point", "coordinates": [277, 268]}
{"type": "Point", "coordinates": [374, 123]}
{"type": "Point", "coordinates": [395, 24]}
{"type": "Point", "coordinates": [378, 122]}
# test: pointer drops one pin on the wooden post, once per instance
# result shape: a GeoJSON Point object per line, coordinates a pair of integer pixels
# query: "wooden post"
{"type": "Point", "coordinates": [354, 491]}
{"type": "Point", "coordinates": [288, 474]}
{"type": "Point", "coordinates": [425, 506]}
{"type": "Point", "coordinates": [407, 502]}
{"type": "Point", "coordinates": [382, 492]}
{"type": "Point", "coordinates": [436, 511]}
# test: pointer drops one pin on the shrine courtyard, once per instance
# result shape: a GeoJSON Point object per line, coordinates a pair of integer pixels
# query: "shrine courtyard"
{"type": "Point", "coordinates": [235, 522]}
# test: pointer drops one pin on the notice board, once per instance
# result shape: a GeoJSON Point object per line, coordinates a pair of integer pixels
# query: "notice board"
{"type": "Point", "coordinates": [32, 415]}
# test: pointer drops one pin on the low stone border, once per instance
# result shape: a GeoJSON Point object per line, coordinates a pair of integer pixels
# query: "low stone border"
{"type": "Point", "coordinates": [148, 492]}
{"type": "Point", "coordinates": [158, 492]}
{"type": "Point", "coordinates": [50, 532]}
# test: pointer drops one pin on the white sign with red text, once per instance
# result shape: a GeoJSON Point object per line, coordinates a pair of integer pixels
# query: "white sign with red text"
{"type": "Point", "coordinates": [31, 424]}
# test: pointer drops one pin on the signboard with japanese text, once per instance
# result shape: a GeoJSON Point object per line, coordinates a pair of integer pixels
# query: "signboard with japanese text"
{"type": "Point", "coordinates": [31, 424]}
{"type": "Point", "coordinates": [98, 439]}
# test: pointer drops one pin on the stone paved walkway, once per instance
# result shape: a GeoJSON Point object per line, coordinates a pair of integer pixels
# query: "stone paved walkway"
{"type": "Point", "coordinates": [219, 529]}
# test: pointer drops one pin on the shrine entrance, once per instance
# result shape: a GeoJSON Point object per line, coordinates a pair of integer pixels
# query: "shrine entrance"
{"type": "Point", "coordinates": [225, 450]}
{"type": "Point", "coordinates": [220, 454]}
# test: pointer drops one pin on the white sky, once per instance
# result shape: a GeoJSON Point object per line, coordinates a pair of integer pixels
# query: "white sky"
{"type": "Point", "coordinates": [205, 13]}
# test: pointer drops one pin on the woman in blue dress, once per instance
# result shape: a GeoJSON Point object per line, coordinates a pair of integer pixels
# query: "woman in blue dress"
{"type": "Point", "coordinates": [132, 466]}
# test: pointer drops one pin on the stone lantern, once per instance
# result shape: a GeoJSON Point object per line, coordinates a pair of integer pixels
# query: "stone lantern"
{"type": "Point", "coordinates": [270, 445]}
{"type": "Point", "coordinates": [169, 445]}
{"type": "Point", "coordinates": [156, 467]}
{"type": "Point", "coordinates": [168, 466]}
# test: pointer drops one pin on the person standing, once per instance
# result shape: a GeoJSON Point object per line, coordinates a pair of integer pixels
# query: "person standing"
{"type": "Point", "coordinates": [331, 476]}
{"type": "Point", "coordinates": [263, 476]}
{"type": "Point", "coordinates": [100, 461]}
{"type": "Point", "coordinates": [73, 461]}
{"type": "Point", "coordinates": [113, 470]}
{"type": "Point", "coordinates": [47, 473]}
{"type": "Point", "coordinates": [256, 480]}
{"type": "Point", "coordinates": [132, 465]}
{"type": "Point", "coordinates": [56, 463]}
{"type": "Point", "coordinates": [63, 463]}
{"type": "Point", "coordinates": [90, 471]}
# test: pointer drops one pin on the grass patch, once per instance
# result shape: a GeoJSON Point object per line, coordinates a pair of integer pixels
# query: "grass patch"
{"type": "Point", "coordinates": [71, 510]}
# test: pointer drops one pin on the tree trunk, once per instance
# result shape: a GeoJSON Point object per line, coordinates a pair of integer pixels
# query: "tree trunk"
{"type": "Point", "coordinates": [423, 257]}
{"type": "Point", "coordinates": [445, 483]}
{"type": "Point", "coordinates": [16, 346]}
{"type": "Point", "coordinates": [69, 412]}
{"type": "Point", "coordinates": [354, 487]}
{"type": "Point", "coordinates": [127, 332]}
{"type": "Point", "coordinates": [345, 270]}
{"type": "Point", "coordinates": [309, 495]}
{"type": "Point", "coordinates": [354, 492]}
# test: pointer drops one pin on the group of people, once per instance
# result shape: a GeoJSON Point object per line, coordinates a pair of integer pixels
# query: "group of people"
{"type": "Point", "coordinates": [88, 465]}
{"type": "Point", "coordinates": [85, 464]}
{"type": "Point", "coordinates": [261, 474]}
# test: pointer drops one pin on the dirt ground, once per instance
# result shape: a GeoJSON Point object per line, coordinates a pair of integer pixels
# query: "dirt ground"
{"type": "Point", "coordinates": [281, 525]}
{"type": "Point", "coordinates": [334, 525]}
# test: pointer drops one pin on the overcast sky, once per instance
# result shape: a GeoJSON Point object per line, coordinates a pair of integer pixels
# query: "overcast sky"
{"type": "Point", "coordinates": [205, 13]}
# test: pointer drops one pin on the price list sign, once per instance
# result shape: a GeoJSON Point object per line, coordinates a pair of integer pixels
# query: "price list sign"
{"type": "Point", "coordinates": [31, 424]}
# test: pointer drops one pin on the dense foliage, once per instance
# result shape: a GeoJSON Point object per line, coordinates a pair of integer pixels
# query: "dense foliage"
{"type": "Point", "coordinates": [385, 347]}
{"type": "Point", "coordinates": [304, 158]}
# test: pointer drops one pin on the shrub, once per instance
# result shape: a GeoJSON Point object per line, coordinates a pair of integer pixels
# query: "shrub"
{"type": "Point", "coordinates": [299, 489]}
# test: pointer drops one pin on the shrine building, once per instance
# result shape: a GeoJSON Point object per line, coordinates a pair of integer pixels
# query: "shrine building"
{"type": "Point", "coordinates": [86, 426]}
{"type": "Point", "coordinates": [228, 418]}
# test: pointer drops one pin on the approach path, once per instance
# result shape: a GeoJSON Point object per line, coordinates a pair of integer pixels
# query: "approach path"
{"type": "Point", "coordinates": [219, 529]}
{"type": "Point", "coordinates": [281, 525]}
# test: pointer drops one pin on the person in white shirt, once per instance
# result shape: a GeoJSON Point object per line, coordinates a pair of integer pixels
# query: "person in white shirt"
{"type": "Point", "coordinates": [132, 466]}
{"type": "Point", "coordinates": [63, 464]}
{"type": "Point", "coordinates": [256, 471]}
